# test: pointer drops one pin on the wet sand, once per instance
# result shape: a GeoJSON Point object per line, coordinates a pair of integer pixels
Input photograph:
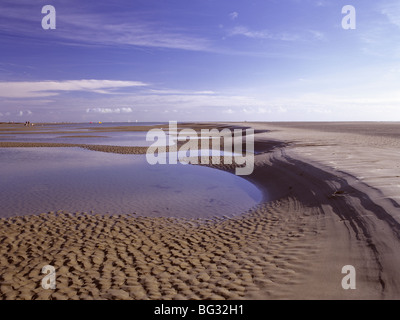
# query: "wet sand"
{"type": "Point", "coordinates": [332, 203]}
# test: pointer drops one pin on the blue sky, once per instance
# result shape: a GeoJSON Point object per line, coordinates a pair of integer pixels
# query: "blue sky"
{"type": "Point", "coordinates": [148, 60]}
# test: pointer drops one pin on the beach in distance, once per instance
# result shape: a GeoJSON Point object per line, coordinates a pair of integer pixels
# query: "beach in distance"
{"type": "Point", "coordinates": [318, 217]}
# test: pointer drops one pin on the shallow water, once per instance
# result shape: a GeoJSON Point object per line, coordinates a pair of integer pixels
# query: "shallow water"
{"type": "Point", "coordinates": [37, 180]}
{"type": "Point", "coordinates": [86, 133]}
{"type": "Point", "coordinates": [128, 139]}
{"type": "Point", "coordinates": [83, 133]}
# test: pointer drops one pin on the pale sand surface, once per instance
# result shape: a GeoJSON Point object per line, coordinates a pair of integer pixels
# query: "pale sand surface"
{"type": "Point", "coordinates": [361, 220]}
{"type": "Point", "coordinates": [333, 203]}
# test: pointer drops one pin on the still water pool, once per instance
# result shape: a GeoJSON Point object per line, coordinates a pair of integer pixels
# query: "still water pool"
{"type": "Point", "coordinates": [39, 180]}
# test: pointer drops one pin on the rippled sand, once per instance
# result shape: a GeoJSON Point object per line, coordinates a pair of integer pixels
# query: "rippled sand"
{"type": "Point", "coordinates": [127, 257]}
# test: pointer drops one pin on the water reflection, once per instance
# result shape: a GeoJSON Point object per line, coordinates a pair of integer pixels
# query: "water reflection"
{"type": "Point", "coordinates": [36, 180]}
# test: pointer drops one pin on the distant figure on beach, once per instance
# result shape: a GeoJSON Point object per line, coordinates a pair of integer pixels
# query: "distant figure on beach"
{"type": "Point", "coordinates": [28, 124]}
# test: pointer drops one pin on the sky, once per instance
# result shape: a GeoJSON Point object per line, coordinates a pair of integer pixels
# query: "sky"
{"type": "Point", "coordinates": [199, 60]}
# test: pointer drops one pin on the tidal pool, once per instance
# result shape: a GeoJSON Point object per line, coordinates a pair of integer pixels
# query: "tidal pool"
{"type": "Point", "coordinates": [39, 180]}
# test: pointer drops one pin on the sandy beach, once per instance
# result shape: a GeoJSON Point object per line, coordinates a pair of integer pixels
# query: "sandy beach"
{"type": "Point", "coordinates": [331, 199]}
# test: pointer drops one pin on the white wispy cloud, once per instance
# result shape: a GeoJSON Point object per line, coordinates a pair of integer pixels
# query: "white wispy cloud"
{"type": "Point", "coordinates": [233, 15]}
{"type": "Point", "coordinates": [381, 37]}
{"type": "Point", "coordinates": [37, 89]}
{"type": "Point", "coordinates": [322, 3]}
{"type": "Point", "coordinates": [282, 36]}
{"type": "Point", "coordinates": [182, 92]}
{"type": "Point", "coordinates": [97, 29]}
{"type": "Point", "coordinates": [153, 102]}
{"type": "Point", "coordinates": [78, 27]}
{"type": "Point", "coordinates": [392, 12]}
{"type": "Point", "coordinates": [21, 113]}
{"type": "Point", "coordinates": [317, 35]}
{"type": "Point", "coordinates": [109, 110]}
{"type": "Point", "coordinates": [244, 31]}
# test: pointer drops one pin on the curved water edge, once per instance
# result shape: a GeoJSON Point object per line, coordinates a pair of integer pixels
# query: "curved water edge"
{"type": "Point", "coordinates": [38, 180]}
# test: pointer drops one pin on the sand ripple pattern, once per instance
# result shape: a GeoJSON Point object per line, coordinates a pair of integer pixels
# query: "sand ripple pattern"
{"type": "Point", "coordinates": [262, 254]}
